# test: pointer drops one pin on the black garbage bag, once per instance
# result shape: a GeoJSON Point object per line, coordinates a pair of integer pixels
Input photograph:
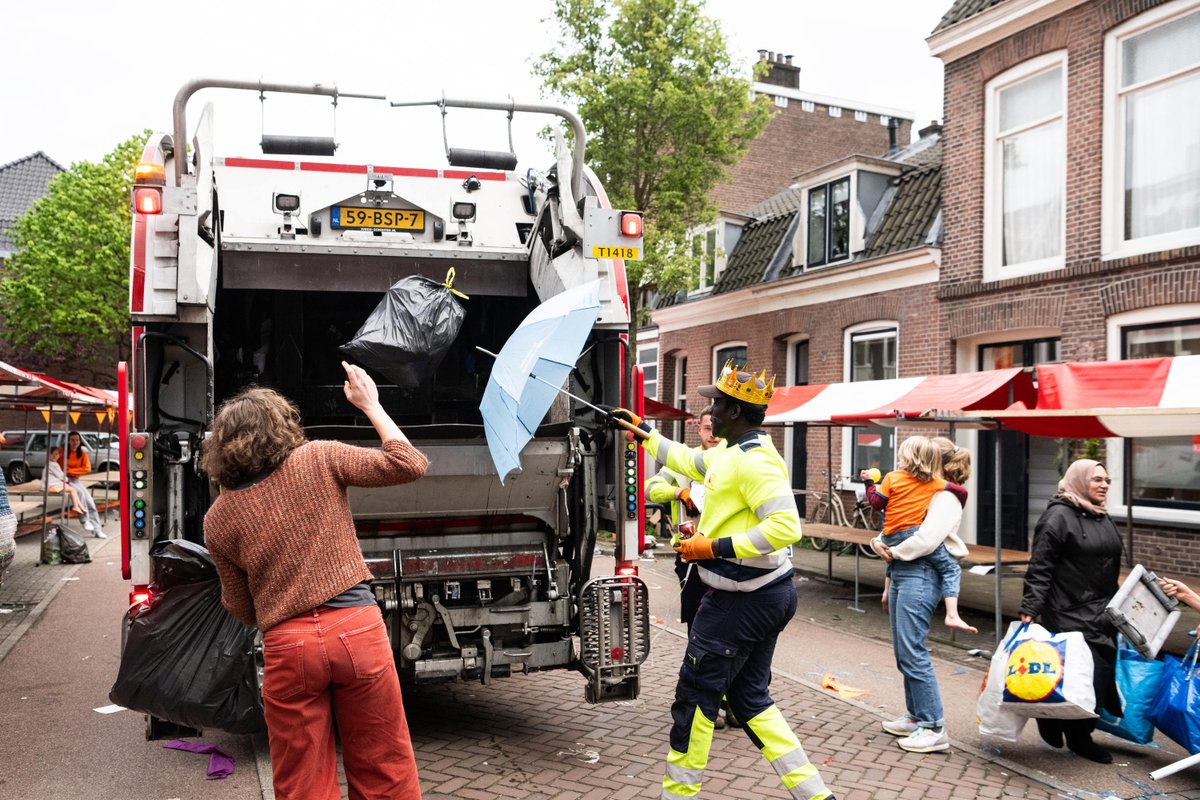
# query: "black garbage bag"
{"type": "Point", "coordinates": [72, 546]}
{"type": "Point", "coordinates": [409, 332]}
{"type": "Point", "coordinates": [178, 561]}
{"type": "Point", "coordinates": [186, 660]}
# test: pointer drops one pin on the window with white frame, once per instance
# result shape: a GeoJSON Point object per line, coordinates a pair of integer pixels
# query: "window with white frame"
{"type": "Point", "coordinates": [808, 105]}
{"type": "Point", "coordinates": [835, 111]}
{"type": "Point", "coordinates": [871, 356]}
{"type": "Point", "coordinates": [1166, 469]}
{"type": "Point", "coordinates": [648, 361]}
{"type": "Point", "coordinates": [828, 223]}
{"type": "Point", "coordinates": [729, 351]}
{"type": "Point", "coordinates": [860, 116]}
{"type": "Point", "coordinates": [1025, 169]}
{"type": "Point", "coordinates": [711, 247]}
{"type": "Point", "coordinates": [781, 101]}
{"type": "Point", "coordinates": [1152, 131]}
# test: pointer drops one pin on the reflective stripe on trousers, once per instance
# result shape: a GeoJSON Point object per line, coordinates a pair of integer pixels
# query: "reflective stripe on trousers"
{"type": "Point", "coordinates": [730, 647]}
{"type": "Point", "coordinates": [775, 740]}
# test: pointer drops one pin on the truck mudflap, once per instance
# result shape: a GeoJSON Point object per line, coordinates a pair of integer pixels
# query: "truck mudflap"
{"type": "Point", "coordinates": [614, 633]}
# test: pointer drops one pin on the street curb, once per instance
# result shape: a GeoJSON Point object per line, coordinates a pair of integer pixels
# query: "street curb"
{"type": "Point", "coordinates": [11, 641]}
{"type": "Point", "coordinates": [1000, 761]}
{"type": "Point", "coordinates": [262, 763]}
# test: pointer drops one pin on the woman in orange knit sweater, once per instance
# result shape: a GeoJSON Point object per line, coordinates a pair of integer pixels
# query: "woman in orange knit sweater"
{"type": "Point", "coordinates": [283, 540]}
{"type": "Point", "coordinates": [78, 464]}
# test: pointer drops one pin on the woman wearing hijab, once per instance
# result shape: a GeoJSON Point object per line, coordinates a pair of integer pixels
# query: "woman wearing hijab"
{"type": "Point", "coordinates": [1073, 573]}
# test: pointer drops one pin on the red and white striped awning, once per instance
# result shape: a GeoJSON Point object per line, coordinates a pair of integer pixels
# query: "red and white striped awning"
{"type": "Point", "coordinates": [883, 402]}
{"type": "Point", "coordinates": [1095, 399]}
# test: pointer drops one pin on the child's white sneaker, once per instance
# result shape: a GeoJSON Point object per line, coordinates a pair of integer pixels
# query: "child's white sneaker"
{"type": "Point", "coordinates": [924, 740]}
{"type": "Point", "coordinates": [905, 726]}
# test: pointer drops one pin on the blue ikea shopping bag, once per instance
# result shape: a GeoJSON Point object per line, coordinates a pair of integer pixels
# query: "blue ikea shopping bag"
{"type": "Point", "coordinates": [1138, 679]}
{"type": "Point", "coordinates": [1176, 708]}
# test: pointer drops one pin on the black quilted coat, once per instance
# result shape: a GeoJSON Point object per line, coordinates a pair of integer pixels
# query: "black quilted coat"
{"type": "Point", "coordinates": [1073, 573]}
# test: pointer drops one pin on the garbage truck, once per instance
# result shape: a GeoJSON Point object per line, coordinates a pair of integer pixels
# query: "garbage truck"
{"type": "Point", "coordinates": [253, 269]}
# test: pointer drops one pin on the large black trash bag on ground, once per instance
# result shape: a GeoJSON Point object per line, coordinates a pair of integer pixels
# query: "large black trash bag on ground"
{"type": "Point", "coordinates": [409, 332]}
{"type": "Point", "coordinates": [72, 546]}
{"type": "Point", "coordinates": [186, 660]}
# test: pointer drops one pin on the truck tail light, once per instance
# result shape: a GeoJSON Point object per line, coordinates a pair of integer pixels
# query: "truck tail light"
{"type": "Point", "coordinates": [139, 596]}
{"type": "Point", "coordinates": [631, 224]}
{"type": "Point", "coordinates": [147, 200]}
{"type": "Point", "coordinates": [627, 569]}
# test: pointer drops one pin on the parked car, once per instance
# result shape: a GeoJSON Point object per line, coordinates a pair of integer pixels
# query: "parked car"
{"type": "Point", "coordinates": [23, 454]}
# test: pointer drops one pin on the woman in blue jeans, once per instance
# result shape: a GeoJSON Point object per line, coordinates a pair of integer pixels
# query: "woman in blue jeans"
{"type": "Point", "coordinates": [911, 600]}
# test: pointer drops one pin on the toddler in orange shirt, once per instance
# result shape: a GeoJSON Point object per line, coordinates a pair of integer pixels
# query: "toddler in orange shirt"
{"type": "Point", "coordinates": [903, 497]}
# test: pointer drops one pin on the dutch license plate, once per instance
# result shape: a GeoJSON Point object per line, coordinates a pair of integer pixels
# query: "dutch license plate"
{"type": "Point", "coordinates": [626, 253]}
{"type": "Point", "coordinates": [377, 219]}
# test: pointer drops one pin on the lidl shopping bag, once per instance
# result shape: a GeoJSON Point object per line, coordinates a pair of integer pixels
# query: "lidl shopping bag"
{"type": "Point", "coordinates": [1138, 679]}
{"type": "Point", "coordinates": [1049, 675]}
{"type": "Point", "coordinates": [1176, 708]}
{"type": "Point", "coordinates": [995, 720]}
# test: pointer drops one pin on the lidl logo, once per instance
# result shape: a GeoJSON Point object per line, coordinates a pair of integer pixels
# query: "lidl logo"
{"type": "Point", "coordinates": [1035, 670]}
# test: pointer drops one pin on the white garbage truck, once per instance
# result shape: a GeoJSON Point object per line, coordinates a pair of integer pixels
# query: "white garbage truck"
{"type": "Point", "coordinates": [254, 269]}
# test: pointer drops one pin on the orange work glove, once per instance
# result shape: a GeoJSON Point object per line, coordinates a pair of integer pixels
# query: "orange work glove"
{"type": "Point", "coordinates": [696, 548]}
{"type": "Point", "coordinates": [684, 495]}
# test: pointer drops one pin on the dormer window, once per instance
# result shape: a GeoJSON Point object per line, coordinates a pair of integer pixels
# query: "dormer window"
{"type": "Point", "coordinates": [710, 248]}
{"type": "Point", "coordinates": [829, 223]}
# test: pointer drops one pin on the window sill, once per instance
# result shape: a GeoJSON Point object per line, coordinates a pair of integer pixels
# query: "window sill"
{"type": "Point", "coordinates": [1148, 515]}
{"type": "Point", "coordinates": [993, 273]}
{"type": "Point", "coordinates": [1153, 245]}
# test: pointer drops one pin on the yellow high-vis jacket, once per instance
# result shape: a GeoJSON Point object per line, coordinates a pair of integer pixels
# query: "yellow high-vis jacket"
{"type": "Point", "coordinates": [749, 508]}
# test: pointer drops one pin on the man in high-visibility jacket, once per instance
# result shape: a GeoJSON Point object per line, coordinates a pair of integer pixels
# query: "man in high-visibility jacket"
{"type": "Point", "coordinates": [748, 522]}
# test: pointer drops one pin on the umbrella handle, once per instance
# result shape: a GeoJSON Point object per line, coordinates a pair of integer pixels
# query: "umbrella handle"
{"type": "Point", "coordinates": [634, 429]}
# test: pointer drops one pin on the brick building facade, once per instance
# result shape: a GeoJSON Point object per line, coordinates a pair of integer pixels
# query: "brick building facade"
{"type": "Point", "coordinates": [1072, 219]}
{"type": "Point", "coordinates": [807, 130]}
{"type": "Point", "coordinates": [1068, 230]}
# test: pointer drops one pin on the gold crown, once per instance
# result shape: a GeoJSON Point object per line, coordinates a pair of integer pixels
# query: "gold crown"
{"type": "Point", "coordinates": [755, 389]}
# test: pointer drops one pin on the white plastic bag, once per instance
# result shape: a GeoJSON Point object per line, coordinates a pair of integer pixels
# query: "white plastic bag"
{"type": "Point", "coordinates": [1048, 675]}
{"type": "Point", "coordinates": [995, 720]}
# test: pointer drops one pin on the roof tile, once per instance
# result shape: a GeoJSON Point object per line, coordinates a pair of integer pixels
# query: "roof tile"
{"type": "Point", "coordinates": [21, 183]}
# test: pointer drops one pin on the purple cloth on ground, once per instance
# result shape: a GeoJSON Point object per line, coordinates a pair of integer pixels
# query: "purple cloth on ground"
{"type": "Point", "coordinates": [220, 763]}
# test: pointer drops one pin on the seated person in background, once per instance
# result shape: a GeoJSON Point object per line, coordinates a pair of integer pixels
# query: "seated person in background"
{"type": "Point", "coordinates": [56, 480]}
{"type": "Point", "coordinates": [78, 464]}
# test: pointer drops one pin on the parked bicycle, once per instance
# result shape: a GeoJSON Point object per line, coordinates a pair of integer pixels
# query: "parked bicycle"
{"type": "Point", "coordinates": [830, 509]}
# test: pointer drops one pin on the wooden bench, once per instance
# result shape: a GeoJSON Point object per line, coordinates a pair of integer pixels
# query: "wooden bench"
{"type": "Point", "coordinates": [977, 554]}
{"type": "Point", "coordinates": [840, 533]}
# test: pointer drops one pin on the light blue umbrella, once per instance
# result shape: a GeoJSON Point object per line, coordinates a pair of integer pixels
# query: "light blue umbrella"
{"type": "Point", "coordinates": [531, 367]}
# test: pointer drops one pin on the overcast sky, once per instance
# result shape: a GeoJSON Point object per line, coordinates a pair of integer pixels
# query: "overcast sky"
{"type": "Point", "coordinates": [81, 76]}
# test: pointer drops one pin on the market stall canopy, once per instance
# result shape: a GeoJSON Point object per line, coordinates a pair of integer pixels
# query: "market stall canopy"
{"type": "Point", "coordinates": [656, 410]}
{"type": "Point", "coordinates": [24, 388]}
{"type": "Point", "coordinates": [1096, 399]}
{"type": "Point", "coordinates": [896, 401]}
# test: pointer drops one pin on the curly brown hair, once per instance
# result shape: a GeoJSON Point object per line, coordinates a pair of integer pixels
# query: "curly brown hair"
{"type": "Point", "coordinates": [956, 461]}
{"type": "Point", "coordinates": [255, 430]}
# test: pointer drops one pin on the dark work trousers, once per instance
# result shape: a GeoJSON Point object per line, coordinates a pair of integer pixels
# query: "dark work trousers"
{"type": "Point", "coordinates": [691, 591]}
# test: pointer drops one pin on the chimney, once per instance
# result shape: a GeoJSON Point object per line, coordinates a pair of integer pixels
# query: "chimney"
{"type": "Point", "coordinates": [934, 127]}
{"type": "Point", "coordinates": [780, 70]}
{"type": "Point", "coordinates": [893, 126]}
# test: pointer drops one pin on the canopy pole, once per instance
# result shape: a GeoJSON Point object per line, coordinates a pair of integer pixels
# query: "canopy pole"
{"type": "Point", "coordinates": [829, 463]}
{"type": "Point", "coordinates": [996, 536]}
{"type": "Point", "coordinates": [1127, 443]}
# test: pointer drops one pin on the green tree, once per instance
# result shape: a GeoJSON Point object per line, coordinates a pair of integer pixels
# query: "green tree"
{"type": "Point", "coordinates": [666, 113]}
{"type": "Point", "coordinates": [64, 294]}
